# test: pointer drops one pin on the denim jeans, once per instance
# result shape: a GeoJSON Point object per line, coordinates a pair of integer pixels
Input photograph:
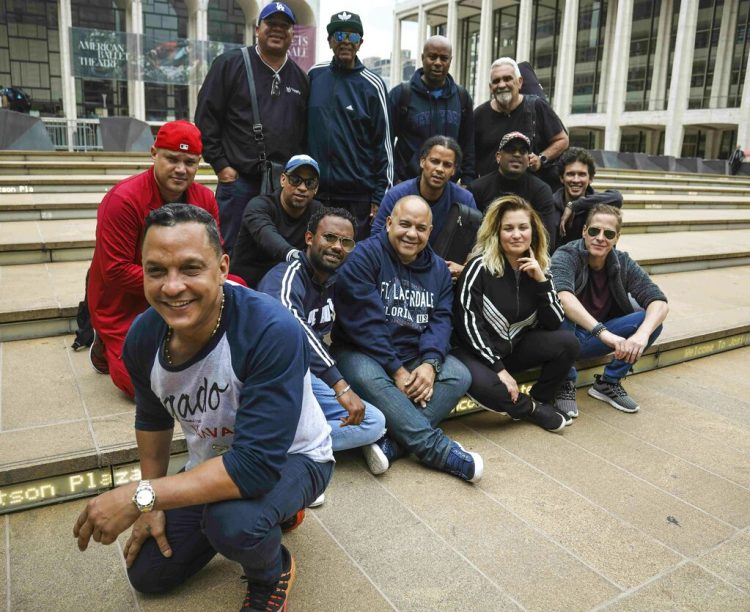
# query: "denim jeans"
{"type": "Point", "coordinates": [370, 429]}
{"type": "Point", "coordinates": [412, 427]}
{"type": "Point", "coordinates": [232, 199]}
{"type": "Point", "coordinates": [591, 346]}
{"type": "Point", "coordinates": [244, 530]}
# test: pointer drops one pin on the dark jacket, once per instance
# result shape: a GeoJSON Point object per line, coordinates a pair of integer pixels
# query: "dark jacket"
{"type": "Point", "coordinates": [581, 208]}
{"type": "Point", "coordinates": [491, 314]}
{"type": "Point", "coordinates": [225, 118]}
{"type": "Point", "coordinates": [294, 285]}
{"type": "Point", "coordinates": [426, 116]}
{"type": "Point", "coordinates": [390, 311]}
{"type": "Point", "coordinates": [628, 282]}
{"type": "Point", "coordinates": [268, 236]}
{"type": "Point", "coordinates": [349, 131]}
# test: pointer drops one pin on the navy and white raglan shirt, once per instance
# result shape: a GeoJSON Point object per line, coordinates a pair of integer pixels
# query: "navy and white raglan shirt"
{"type": "Point", "coordinates": [311, 303]}
{"type": "Point", "coordinates": [245, 396]}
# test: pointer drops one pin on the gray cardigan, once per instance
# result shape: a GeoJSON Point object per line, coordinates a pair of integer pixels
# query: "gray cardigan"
{"type": "Point", "coordinates": [630, 286]}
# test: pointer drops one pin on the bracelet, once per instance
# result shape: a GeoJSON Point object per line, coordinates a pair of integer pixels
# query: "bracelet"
{"type": "Point", "coordinates": [346, 390]}
{"type": "Point", "coordinates": [598, 330]}
{"type": "Point", "coordinates": [569, 205]}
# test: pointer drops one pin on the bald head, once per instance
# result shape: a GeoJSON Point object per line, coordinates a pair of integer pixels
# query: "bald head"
{"type": "Point", "coordinates": [409, 227]}
{"type": "Point", "coordinates": [436, 61]}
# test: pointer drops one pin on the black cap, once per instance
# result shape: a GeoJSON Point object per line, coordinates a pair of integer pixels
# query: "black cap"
{"type": "Point", "coordinates": [345, 20]}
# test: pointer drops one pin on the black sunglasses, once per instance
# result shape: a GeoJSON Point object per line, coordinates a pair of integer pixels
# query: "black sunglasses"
{"type": "Point", "coordinates": [609, 234]}
{"type": "Point", "coordinates": [296, 181]}
{"type": "Point", "coordinates": [346, 243]}
{"type": "Point", "coordinates": [276, 86]}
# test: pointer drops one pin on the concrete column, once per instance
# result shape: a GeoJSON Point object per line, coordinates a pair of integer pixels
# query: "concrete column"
{"type": "Point", "coordinates": [618, 74]}
{"type": "Point", "coordinates": [451, 29]}
{"type": "Point", "coordinates": [682, 70]}
{"type": "Point", "coordinates": [658, 93]}
{"type": "Point", "coordinates": [724, 50]}
{"type": "Point", "coordinates": [607, 51]}
{"type": "Point", "coordinates": [421, 30]}
{"type": "Point", "coordinates": [523, 34]}
{"type": "Point", "coordinates": [136, 87]}
{"type": "Point", "coordinates": [484, 61]}
{"type": "Point", "coordinates": [65, 21]}
{"type": "Point", "coordinates": [743, 128]}
{"type": "Point", "coordinates": [566, 57]}
{"type": "Point", "coordinates": [396, 53]}
{"type": "Point", "coordinates": [198, 31]}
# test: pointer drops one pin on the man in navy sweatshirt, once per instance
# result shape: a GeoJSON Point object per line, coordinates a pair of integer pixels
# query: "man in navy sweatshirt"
{"type": "Point", "coordinates": [307, 288]}
{"type": "Point", "coordinates": [391, 338]}
{"type": "Point", "coordinates": [230, 365]}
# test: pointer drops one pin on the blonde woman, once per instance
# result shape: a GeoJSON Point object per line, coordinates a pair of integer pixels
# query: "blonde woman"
{"type": "Point", "coordinates": [507, 314]}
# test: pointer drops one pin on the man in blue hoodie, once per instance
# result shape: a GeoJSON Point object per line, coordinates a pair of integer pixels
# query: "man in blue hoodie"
{"type": "Point", "coordinates": [391, 338]}
{"type": "Point", "coordinates": [349, 130]}
{"type": "Point", "coordinates": [432, 103]}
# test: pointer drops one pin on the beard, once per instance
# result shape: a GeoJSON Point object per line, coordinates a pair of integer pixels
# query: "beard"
{"type": "Point", "coordinates": [504, 98]}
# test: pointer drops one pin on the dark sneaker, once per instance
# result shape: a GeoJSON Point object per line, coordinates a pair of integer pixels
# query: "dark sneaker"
{"type": "Point", "coordinates": [390, 449]}
{"type": "Point", "coordinates": [464, 464]}
{"type": "Point", "coordinates": [376, 458]}
{"type": "Point", "coordinates": [271, 597]}
{"type": "Point", "coordinates": [546, 416]}
{"type": "Point", "coordinates": [565, 399]}
{"type": "Point", "coordinates": [96, 356]}
{"type": "Point", "coordinates": [613, 394]}
{"type": "Point", "coordinates": [294, 522]}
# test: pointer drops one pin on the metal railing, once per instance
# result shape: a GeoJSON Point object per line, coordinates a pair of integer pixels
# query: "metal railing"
{"type": "Point", "coordinates": [74, 134]}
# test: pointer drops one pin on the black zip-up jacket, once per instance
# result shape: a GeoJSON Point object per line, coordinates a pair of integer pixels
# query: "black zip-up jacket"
{"type": "Point", "coordinates": [581, 208]}
{"type": "Point", "coordinates": [224, 113]}
{"type": "Point", "coordinates": [491, 314]}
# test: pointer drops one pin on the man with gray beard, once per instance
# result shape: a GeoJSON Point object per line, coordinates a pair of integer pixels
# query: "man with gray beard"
{"type": "Point", "coordinates": [508, 110]}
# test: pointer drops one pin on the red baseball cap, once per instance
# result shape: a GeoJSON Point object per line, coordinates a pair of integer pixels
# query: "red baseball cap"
{"type": "Point", "coordinates": [181, 136]}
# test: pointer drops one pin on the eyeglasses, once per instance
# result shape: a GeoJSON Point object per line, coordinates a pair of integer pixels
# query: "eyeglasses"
{"type": "Point", "coordinates": [296, 181]}
{"type": "Point", "coordinates": [352, 37]}
{"type": "Point", "coordinates": [346, 243]}
{"type": "Point", "coordinates": [276, 86]}
{"type": "Point", "coordinates": [609, 234]}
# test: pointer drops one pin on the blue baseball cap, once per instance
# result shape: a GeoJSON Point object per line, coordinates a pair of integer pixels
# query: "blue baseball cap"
{"type": "Point", "coordinates": [302, 160]}
{"type": "Point", "coordinates": [276, 7]}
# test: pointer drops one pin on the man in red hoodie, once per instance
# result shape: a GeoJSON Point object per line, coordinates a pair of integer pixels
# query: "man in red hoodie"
{"type": "Point", "coordinates": [115, 284]}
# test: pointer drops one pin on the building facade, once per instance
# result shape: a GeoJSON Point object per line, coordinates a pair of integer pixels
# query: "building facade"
{"type": "Point", "coordinates": [80, 60]}
{"type": "Point", "coordinates": [651, 76]}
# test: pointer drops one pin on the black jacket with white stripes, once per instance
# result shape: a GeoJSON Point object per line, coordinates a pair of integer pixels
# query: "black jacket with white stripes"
{"type": "Point", "coordinates": [491, 314]}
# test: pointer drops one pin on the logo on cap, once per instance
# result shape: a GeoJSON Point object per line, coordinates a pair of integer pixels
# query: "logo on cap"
{"type": "Point", "coordinates": [344, 16]}
{"type": "Point", "coordinates": [184, 147]}
{"type": "Point", "coordinates": [280, 7]}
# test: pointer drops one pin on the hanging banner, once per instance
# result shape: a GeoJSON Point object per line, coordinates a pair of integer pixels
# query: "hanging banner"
{"type": "Point", "coordinates": [302, 49]}
{"type": "Point", "coordinates": [102, 54]}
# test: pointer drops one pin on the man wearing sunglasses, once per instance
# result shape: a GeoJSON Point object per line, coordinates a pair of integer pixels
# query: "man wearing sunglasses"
{"type": "Point", "coordinates": [273, 226]}
{"type": "Point", "coordinates": [610, 303]}
{"type": "Point", "coordinates": [225, 117]}
{"type": "Point", "coordinates": [348, 126]}
{"type": "Point", "coordinates": [307, 286]}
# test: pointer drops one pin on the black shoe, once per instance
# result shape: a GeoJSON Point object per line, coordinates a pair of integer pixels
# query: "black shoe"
{"type": "Point", "coordinates": [614, 394]}
{"type": "Point", "coordinates": [546, 416]}
{"type": "Point", "coordinates": [294, 522]}
{"type": "Point", "coordinates": [272, 597]}
{"type": "Point", "coordinates": [96, 356]}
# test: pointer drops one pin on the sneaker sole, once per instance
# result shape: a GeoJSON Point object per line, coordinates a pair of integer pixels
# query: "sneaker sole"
{"type": "Point", "coordinates": [478, 467]}
{"type": "Point", "coordinates": [376, 460]}
{"type": "Point", "coordinates": [101, 369]}
{"type": "Point", "coordinates": [318, 501]}
{"type": "Point", "coordinates": [605, 398]}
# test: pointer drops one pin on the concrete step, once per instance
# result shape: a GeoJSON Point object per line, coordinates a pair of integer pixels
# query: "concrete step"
{"type": "Point", "coordinates": [25, 242]}
{"type": "Point", "coordinates": [78, 183]}
{"type": "Point", "coordinates": [685, 178]}
{"type": "Point", "coordinates": [673, 188]}
{"type": "Point", "coordinates": [642, 200]}
{"type": "Point", "coordinates": [652, 220]}
{"type": "Point", "coordinates": [117, 167]}
{"type": "Point", "coordinates": [48, 206]}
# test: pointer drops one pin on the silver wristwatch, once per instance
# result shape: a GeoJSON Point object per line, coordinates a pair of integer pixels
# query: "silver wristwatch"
{"type": "Point", "coordinates": [144, 497]}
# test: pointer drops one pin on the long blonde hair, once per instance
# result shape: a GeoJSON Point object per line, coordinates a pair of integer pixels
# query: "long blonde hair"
{"type": "Point", "coordinates": [488, 237]}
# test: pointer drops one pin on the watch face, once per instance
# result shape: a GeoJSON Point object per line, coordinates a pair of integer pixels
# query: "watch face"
{"type": "Point", "coordinates": [144, 497]}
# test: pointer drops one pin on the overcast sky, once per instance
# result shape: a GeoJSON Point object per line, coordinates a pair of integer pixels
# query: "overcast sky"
{"type": "Point", "coordinates": [377, 22]}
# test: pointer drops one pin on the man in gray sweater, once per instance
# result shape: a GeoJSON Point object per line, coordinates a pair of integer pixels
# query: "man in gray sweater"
{"type": "Point", "coordinates": [610, 303]}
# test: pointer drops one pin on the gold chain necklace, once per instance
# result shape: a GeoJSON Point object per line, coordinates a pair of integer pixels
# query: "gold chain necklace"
{"type": "Point", "coordinates": [168, 337]}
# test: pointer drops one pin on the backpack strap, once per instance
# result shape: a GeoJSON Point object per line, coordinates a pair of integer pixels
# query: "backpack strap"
{"type": "Point", "coordinates": [403, 106]}
{"type": "Point", "coordinates": [463, 97]}
{"type": "Point", "coordinates": [531, 111]}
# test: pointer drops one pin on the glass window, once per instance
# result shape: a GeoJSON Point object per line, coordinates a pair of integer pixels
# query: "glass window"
{"type": "Point", "coordinates": [470, 54]}
{"type": "Point", "coordinates": [704, 55]}
{"type": "Point", "coordinates": [592, 19]}
{"type": "Point", "coordinates": [545, 40]}
{"type": "Point", "coordinates": [739, 54]}
{"type": "Point", "coordinates": [643, 38]}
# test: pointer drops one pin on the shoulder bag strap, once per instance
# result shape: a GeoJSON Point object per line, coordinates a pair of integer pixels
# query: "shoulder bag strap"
{"type": "Point", "coordinates": [257, 126]}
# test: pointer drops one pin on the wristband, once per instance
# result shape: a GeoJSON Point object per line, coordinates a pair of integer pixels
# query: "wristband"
{"type": "Point", "coordinates": [598, 330]}
{"type": "Point", "coordinates": [346, 390]}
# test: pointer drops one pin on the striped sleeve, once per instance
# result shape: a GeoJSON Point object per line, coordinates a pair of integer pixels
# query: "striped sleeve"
{"type": "Point", "coordinates": [550, 312]}
{"type": "Point", "coordinates": [383, 161]}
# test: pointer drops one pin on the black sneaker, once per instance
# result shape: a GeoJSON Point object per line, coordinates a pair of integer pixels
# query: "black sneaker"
{"type": "Point", "coordinates": [272, 597]}
{"type": "Point", "coordinates": [390, 449]}
{"type": "Point", "coordinates": [565, 399]}
{"type": "Point", "coordinates": [546, 416]}
{"type": "Point", "coordinates": [294, 522]}
{"type": "Point", "coordinates": [464, 464]}
{"type": "Point", "coordinates": [96, 356]}
{"type": "Point", "coordinates": [613, 394]}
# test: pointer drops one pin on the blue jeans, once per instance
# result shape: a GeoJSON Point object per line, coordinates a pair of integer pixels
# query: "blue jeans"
{"type": "Point", "coordinates": [232, 199]}
{"type": "Point", "coordinates": [591, 346]}
{"type": "Point", "coordinates": [244, 530]}
{"type": "Point", "coordinates": [412, 427]}
{"type": "Point", "coordinates": [370, 429]}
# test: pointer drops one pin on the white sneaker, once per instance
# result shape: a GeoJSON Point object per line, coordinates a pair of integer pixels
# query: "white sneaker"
{"type": "Point", "coordinates": [319, 501]}
{"type": "Point", "coordinates": [376, 459]}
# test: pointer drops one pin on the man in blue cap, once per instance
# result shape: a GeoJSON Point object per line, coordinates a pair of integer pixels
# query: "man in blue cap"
{"type": "Point", "coordinates": [348, 129]}
{"type": "Point", "coordinates": [225, 117]}
{"type": "Point", "coordinates": [273, 226]}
